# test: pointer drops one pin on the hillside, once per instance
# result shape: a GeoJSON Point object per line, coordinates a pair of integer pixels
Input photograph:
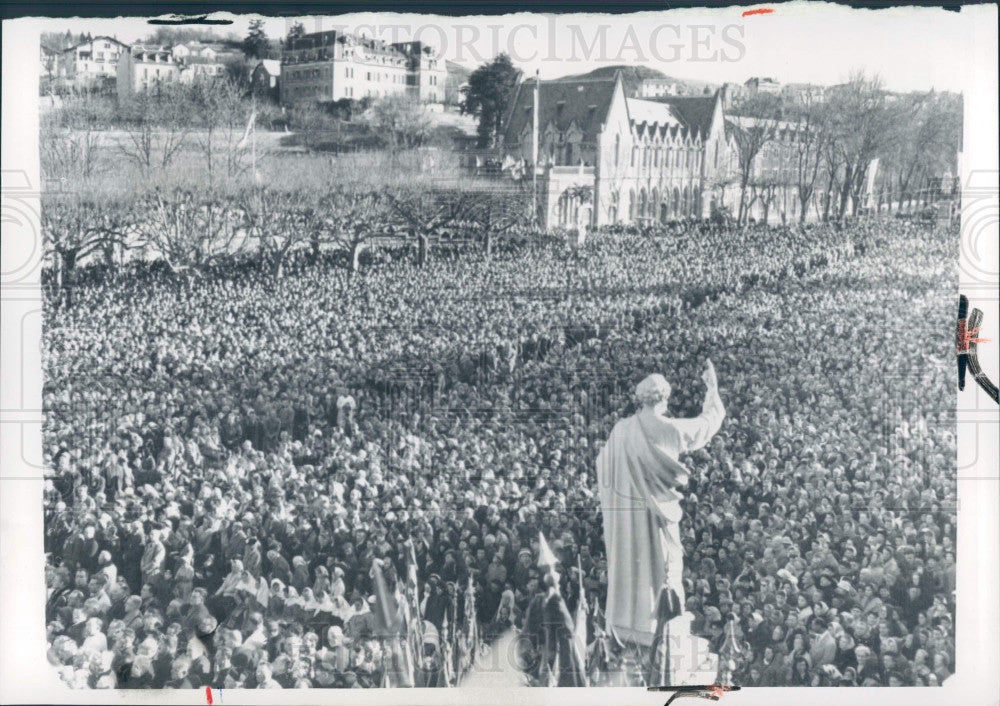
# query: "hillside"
{"type": "Point", "coordinates": [633, 75]}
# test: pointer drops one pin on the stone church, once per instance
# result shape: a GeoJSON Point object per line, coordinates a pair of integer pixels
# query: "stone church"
{"type": "Point", "coordinates": [607, 158]}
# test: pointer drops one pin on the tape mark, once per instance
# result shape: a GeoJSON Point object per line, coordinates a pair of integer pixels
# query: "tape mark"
{"type": "Point", "coordinates": [967, 348]}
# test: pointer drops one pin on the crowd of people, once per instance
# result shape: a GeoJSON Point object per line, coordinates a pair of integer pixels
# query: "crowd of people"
{"type": "Point", "coordinates": [230, 455]}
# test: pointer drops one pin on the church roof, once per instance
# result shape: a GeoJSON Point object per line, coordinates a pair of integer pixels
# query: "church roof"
{"type": "Point", "coordinates": [648, 111]}
{"type": "Point", "coordinates": [693, 112]}
{"type": "Point", "coordinates": [561, 102]}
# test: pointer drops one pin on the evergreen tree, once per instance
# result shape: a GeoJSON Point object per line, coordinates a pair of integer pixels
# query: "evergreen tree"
{"type": "Point", "coordinates": [487, 96]}
{"type": "Point", "coordinates": [256, 44]}
{"type": "Point", "coordinates": [294, 32]}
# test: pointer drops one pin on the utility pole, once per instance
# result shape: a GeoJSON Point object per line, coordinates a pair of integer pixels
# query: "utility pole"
{"type": "Point", "coordinates": [534, 151]}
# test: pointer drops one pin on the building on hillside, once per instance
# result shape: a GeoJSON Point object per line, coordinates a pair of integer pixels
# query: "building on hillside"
{"type": "Point", "coordinates": [196, 49]}
{"type": "Point", "coordinates": [199, 60]}
{"type": "Point", "coordinates": [195, 68]}
{"type": "Point", "coordinates": [657, 88]}
{"type": "Point", "coordinates": [143, 67]}
{"type": "Point", "coordinates": [733, 93]}
{"type": "Point", "coordinates": [427, 73]}
{"type": "Point", "coordinates": [804, 93]}
{"type": "Point", "coordinates": [759, 84]}
{"type": "Point", "coordinates": [91, 63]}
{"type": "Point", "coordinates": [605, 158]}
{"type": "Point", "coordinates": [265, 77]}
{"type": "Point", "coordinates": [331, 66]}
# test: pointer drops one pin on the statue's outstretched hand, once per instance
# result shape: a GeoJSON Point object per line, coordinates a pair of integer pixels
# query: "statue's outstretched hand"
{"type": "Point", "coordinates": [711, 382]}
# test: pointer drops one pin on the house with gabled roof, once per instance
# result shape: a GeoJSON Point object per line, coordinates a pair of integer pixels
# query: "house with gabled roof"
{"type": "Point", "coordinates": [90, 63]}
{"type": "Point", "coordinates": [606, 158]}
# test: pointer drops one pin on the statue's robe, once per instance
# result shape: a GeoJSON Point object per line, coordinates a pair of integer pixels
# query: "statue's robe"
{"type": "Point", "coordinates": [639, 479]}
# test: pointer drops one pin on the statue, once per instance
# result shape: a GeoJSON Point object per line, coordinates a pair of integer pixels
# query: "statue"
{"type": "Point", "coordinates": [640, 482]}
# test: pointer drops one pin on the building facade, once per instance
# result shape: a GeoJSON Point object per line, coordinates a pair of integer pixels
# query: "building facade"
{"type": "Point", "coordinates": [91, 63]}
{"type": "Point", "coordinates": [427, 72]}
{"type": "Point", "coordinates": [657, 88]}
{"type": "Point", "coordinates": [265, 78]}
{"type": "Point", "coordinates": [762, 84]}
{"type": "Point", "coordinates": [199, 60]}
{"type": "Point", "coordinates": [804, 93]}
{"type": "Point", "coordinates": [144, 67]}
{"type": "Point", "coordinates": [331, 66]}
{"type": "Point", "coordinates": [605, 158]}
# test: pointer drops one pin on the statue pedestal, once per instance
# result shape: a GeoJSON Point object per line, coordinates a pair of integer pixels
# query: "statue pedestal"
{"type": "Point", "coordinates": [691, 662]}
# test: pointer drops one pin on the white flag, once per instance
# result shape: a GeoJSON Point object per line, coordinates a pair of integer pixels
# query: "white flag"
{"type": "Point", "coordinates": [580, 622]}
{"type": "Point", "coordinates": [250, 129]}
{"type": "Point", "coordinates": [546, 557]}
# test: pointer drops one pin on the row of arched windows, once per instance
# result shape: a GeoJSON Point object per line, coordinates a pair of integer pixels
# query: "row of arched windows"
{"type": "Point", "coordinates": [669, 205]}
{"type": "Point", "coordinates": [668, 158]}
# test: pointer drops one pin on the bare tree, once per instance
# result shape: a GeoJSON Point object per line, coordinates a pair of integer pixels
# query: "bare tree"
{"type": "Point", "coordinates": [313, 125]}
{"type": "Point", "coordinates": [923, 139]}
{"type": "Point", "coordinates": [764, 188]}
{"type": "Point", "coordinates": [156, 126]}
{"type": "Point", "coordinates": [752, 128]}
{"type": "Point", "coordinates": [71, 140]}
{"type": "Point", "coordinates": [400, 122]}
{"type": "Point", "coordinates": [353, 218]}
{"type": "Point", "coordinates": [859, 120]}
{"type": "Point", "coordinates": [191, 231]}
{"type": "Point", "coordinates": [222, 116]}
{"type": "Point", "coordinates": [808, 122]}
{"type": "Point", "coordinates": [427, 213]}
{"type": "Point", "coordinates": [75, 226]}
{"type": "Point", "coordinates": [279, 222]}
{"type": "Point", "coordinates": [498, 210]}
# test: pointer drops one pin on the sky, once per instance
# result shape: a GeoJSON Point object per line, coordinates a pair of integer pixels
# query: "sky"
{"type": "Point", "coordinates": [910, 48]}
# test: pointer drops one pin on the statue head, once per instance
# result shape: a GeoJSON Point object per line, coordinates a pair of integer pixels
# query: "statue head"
{"type": "Point", "coordinates": [653, 391]}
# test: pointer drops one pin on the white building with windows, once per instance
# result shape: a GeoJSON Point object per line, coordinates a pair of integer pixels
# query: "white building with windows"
{"type": "Point", "coordinates": [605, 158]}
{"type": "Point", "coordinates": [90, 63]}
{"type": "Point", "coordinates": [331, 66]}
{"type": "Point", "coordinates": [143, 67]}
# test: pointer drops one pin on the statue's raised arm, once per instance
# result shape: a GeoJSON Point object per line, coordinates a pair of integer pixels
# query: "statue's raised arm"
{"type": "Point", "coordinates": [698, 431]}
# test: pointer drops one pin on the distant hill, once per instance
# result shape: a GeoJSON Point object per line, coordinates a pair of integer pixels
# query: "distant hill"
{"type": "Point", "coordinates": [633, 75]}
{"type": "Point", "coordinates": [457, 75]}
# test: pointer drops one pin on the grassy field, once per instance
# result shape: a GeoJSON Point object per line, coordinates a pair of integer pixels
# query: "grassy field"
{"type": "Point", "coordinates": [112, 174]}
{"type": "Point", "coordinates": [87, 147]}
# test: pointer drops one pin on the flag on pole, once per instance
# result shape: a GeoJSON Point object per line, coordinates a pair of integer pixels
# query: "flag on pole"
{"type": "Point", "coordinates": [566, 664]}
{"type": "Point", "coordinates": [534, 149]}
{"type": "Point", "coordinates": [534, 123]}
{"type": "Point", "coordinates": [414, 621]}
{"type": "Point", "coordinates": [386, 683]}
{"type": "Point", "coordinates": [250, 130]}
{"type": "Point", "coordinates": [580, 627]}
{"type": "Point", "coordinates": [470, 634]}
{"type": "Point", "coordinates": [446, 666]}
{"type": "Point", "coordinates": [412, 582]}
{"type": "Point", "coordinates": [546, 557]}
{"type": "Point", "coordinates": [386, 610]}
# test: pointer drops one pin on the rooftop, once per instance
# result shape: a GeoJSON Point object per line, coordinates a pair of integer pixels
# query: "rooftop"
{"type": "Point", "coordinates": [562, 102]}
